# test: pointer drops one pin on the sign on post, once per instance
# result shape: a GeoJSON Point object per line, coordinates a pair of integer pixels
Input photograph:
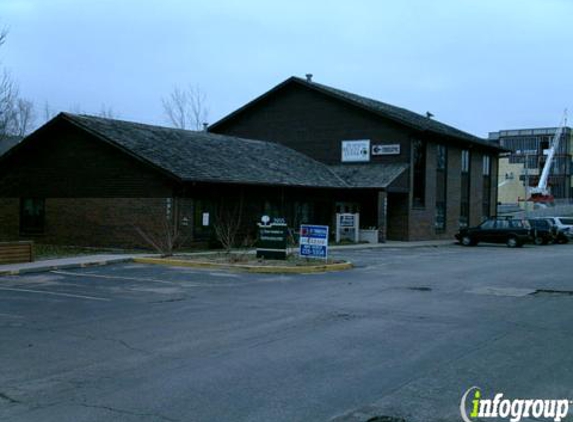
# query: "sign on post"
{"type": "Point", "coordinates": [272, 242]}
{"type": "Point", "coordinates": [313, 241]}
{"type": "Point", "coordinates": [347, 227]}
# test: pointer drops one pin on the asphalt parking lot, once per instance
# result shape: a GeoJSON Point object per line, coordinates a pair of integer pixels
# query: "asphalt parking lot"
{"type": "Point", "coordinates": [404, 334]}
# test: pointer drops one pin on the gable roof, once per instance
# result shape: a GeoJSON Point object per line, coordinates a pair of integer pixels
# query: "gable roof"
{"type": "Point", "coordinates": [206, 157]}
{"type": "Point", "coordinates": [8, 142]}
{"type": "Point", "coordinates": [370, 175]}
{"type": "Point", "coordinates": [397, 114]}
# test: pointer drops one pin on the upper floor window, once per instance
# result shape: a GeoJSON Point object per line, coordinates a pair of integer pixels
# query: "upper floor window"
{"type": "Point", "coordinates": [419, 165]}
{"type": "Point", "coordinates": [465, 161]}
{"type": "Point", "coordinates": [486, 165]}
{"type": "Point", "coordinates": [441, 157]}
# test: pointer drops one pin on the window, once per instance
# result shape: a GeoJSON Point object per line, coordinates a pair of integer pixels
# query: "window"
{"type": "Point", "coordinates": [486, 165]}
{"type": "Point", "coordinates": [486, 200]}
{"type": "Point", "coordinates": [32, 216]}
{"type": "Point", "coordinates": [465, 193]}
{"type": "Point", "coordinates": [441, 187]}
{"type": "Point", "coordinates": [419, 165]}
{"type": "Point", "coordinates": [487, 225]}
{"type": "Point", "coordinates": [441, 157]}
{"type": "Point", "coordinates": [465, 161]}
{"type": "Point", "coordinates": [502, 224]}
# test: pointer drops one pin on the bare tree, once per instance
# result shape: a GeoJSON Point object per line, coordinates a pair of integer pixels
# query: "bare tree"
{"type": "Point", "coordinates": [24, 117]}
{"type": "Point", "coordinates": [48, 112]}
{"type": "Point", "coordinates": [186, 108]}
{"type": "Point", "coordinates": [8, 99]}
{"type": "Point", "coordinates": [108, 112]}
{"type": "Point", "coordinates": [17, 114]}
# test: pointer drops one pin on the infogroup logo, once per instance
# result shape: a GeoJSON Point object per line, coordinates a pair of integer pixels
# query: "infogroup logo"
{"type": "Point", "coordinates": [512, 409]}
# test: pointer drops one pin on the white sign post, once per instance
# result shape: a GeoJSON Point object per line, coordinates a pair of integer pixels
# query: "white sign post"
{"type": "Point", "coordinates": [348, 227]}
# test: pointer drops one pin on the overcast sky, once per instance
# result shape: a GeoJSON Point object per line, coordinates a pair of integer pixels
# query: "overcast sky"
{"type": "Point", "coordinates": [480, 65]}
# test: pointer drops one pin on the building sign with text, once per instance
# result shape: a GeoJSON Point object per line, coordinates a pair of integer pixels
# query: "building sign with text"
{"type": "Point", "coordinates": [355, 151]}
{"type": "Point", "coordinates": [386, 149]}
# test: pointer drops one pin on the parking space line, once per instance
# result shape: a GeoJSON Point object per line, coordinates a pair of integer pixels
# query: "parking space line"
{"type": "Point", "coordinates": [44, 292]}
{"type": "Point", "coordinates": [117, 277]}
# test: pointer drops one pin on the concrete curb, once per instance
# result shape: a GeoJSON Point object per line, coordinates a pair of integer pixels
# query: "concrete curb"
{"type": "Point", "coordinates": [47, 268]}
{"type": "Point", "coordinates": [248, 268]}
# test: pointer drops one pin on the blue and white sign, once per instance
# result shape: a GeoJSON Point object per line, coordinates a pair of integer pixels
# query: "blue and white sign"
{"type": "Point", "coordinates": [313, 241]}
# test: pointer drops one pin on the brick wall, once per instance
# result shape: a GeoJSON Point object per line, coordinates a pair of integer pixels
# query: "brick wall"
{"type": "Point", "coordinates": [421, 220]}
{"type": "Point", "coordinates": [99, 222]}
{"type": "Point", "coordinates": [9, 219]}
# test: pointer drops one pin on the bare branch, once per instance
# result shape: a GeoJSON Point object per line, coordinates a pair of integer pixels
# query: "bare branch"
{"type": "Point", "coordinates": [48, 112]}
{"type": "Point", "coordinates": [166, 238]}
{"type": "Point", "coordinates": [186, 108]}
{"type": "Point", "coordinates": [24, 117]}
{"type": "Point", "coordinates": [3, 36]}
{"type": "Point", "coordinates": [8, 100]}
{"type": "Point", "coordinates": [228, 224]}
{"type": "Point", "coordinates": [108, 112]}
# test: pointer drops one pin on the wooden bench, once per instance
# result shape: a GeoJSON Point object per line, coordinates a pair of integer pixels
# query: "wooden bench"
{"type": "Point", "coordinates": [13, 252]}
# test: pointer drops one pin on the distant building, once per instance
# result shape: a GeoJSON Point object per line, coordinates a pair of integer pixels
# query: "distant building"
{"type": "Point", "coordinates": [528, 155]}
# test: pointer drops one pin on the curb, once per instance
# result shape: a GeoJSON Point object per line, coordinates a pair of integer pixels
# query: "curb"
{"type": "Point", "coordinates": [248, 268]}
{"type": "Point", "coordinates": [48, 268]}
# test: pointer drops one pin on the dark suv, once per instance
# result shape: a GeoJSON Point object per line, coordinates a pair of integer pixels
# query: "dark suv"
{"type": "Point", "coordinates": [542, 231]}
{"type": "Point", "coordinates": [514, 233]}
{"type": "Point", "coordinates": [560, 234]}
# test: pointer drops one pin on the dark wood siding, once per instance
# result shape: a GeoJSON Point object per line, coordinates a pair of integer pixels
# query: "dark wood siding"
{"type": "Point", "coordinates": [62, 161]}
{"type": "Point", "coordinates": [315, 124]}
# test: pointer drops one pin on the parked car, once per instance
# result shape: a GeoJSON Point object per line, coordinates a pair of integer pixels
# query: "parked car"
{"type": "Point", "coordinates": [562, 233]}
{"type": "Point", "coordinates": [513, 232]}
{"type": "Point", "coordinates": [542, 231]}
{"type": "Point", "coordinates": [563, 222]}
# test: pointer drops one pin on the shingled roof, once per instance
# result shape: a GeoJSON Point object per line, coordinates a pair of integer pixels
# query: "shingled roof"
{"type": "Point", "coordinates": [398, 114]}
{"type": "Point", "coordinates": [207, 157]}
{"type": "Point", "coordinates": [370, 175]}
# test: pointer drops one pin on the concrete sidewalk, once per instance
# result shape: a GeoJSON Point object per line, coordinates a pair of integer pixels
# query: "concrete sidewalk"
{"type": "Point", "coordinates": [61, 263]}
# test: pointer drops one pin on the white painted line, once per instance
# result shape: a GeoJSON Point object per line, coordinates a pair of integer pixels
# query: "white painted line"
{"type": "Point", "coordinates": [117, 277]}
{"type": "Point", "coordinates": [43, 292]}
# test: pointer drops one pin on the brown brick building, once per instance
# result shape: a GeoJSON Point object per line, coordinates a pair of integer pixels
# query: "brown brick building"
{"type": "Point", "coordinates": [447, 176]}
{"type": "Point", "coordinates": [83, 180]}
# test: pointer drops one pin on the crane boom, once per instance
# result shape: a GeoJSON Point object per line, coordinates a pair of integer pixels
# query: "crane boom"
{"type": "Point", "coordinates": [541, 191]}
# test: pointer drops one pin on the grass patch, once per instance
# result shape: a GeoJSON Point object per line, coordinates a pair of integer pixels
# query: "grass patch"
{"type": "Point", "coordinates": [42, 251]}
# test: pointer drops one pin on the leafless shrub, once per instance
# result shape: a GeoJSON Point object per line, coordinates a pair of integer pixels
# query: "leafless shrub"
{"type": "Point", "coordinates": [227, 225]}
{"type": "Point", "coordinates": [168, 237]}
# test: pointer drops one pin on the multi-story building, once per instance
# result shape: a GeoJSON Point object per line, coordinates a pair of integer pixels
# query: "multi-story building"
{"type": "Point", "coordinates": [523, 167]}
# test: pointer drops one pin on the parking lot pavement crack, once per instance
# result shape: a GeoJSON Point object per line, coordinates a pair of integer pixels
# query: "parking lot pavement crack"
{"type": "Point", "coordinates": [128, 412]}
{"type": "Point", "coordinates": [462, 355]}
{"type": "Point", "coordinates": [9, 399]}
